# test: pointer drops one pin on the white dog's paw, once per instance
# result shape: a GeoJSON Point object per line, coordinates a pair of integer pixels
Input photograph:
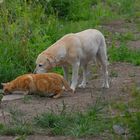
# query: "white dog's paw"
{"type": "Point", "coordinates": [82, 85]}
{"type": "Point", "coordinates": [105, 85]}
{"type": "Point", "coordinates": [73, 89]}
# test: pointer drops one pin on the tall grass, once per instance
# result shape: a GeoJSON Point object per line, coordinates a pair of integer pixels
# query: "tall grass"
{"type": "Point", "coordinates": [28, 27]}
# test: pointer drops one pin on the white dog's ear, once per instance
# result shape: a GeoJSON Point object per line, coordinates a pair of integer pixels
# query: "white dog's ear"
{"type": "Point", "coordinates": [52, 62]}
{"type": "Point", "coordinates": [48, 60]}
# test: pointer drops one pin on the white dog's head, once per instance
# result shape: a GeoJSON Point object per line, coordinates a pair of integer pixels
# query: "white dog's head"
{"type": "Point", "coordinates": [43, 63]}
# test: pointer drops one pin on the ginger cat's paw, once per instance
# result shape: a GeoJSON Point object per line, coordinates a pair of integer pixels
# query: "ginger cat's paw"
{"type": "Point", "coordinates": [56, 96]}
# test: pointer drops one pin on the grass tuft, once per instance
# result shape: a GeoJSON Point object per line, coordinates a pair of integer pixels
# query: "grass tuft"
{"type": "Point", "coordinates": [74, 124]}
{"type": "Point", "coordinates": [17, 125]}
{"type": "Point", "coordinates": [124, 54]}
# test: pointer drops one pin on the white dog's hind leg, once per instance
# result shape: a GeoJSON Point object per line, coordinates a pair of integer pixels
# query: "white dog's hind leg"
{"type": "Point", "coordinates": [75, 70]}
{"type": "Point", "coordinates": [83, 83]}
{"type": "Point", "coordinates": [66, 71]}
{"type": "Point", "coordinates": [105, 74]}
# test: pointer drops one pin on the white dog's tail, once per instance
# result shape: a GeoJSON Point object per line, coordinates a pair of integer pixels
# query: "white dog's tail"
{"type": "Point", "coordinates": [102, 52]}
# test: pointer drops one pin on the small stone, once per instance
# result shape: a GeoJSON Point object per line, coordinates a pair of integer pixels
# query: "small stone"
{"type": "Point", "coordinates": [12, 97]}
{"type": "Point", "coordinates": [118, 130]}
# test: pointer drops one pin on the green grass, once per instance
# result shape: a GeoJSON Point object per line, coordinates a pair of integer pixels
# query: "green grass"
{"type": "Point", "coordinates": [18, 129]}
{"type": "Point", "coordinates": [124, 54]}
{"type": "Point", "coordinates": [131, 122]}
{"type": "Point", "coordinates": [113, 73]}
{"type": "Point", "coordinates": [77, 124]}
{"type": "Point", "coordinates": [17, 124]}
{"type": "Point", "coordinates": [29, 27]}
{"type": "Point", "coordinates": [27, 99]}
{"type": "Point", "coordinates": [89, 123]}
{"type": "Point", "coordinates": [128, 114]}
{"type": "Point", "coordinates": [123, 37]}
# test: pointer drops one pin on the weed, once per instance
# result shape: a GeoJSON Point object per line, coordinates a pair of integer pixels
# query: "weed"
{"type": "Point", "coordinates": [135, 126]}
{"type": "Point", "coordinates": [17, 125]}
{"type": "Point", "coordinates": [122, 7]}
{"type": "Point", "coordinates": [125, 88]}
{"type": "Point", "coordinates": [129, 115]}
{"type": "Point", "coordinates": [132, 74]}
{"type": "Point", "coordinates": [123, 54]}
{"type": "Point", "coordinates": [1, 107]}
{"type": "Point", "coordinates": [21, 137]}
{"type": "Point", "coordinates": [74, 124]}
{"type": "Point", "coordinates": [20, 129]}
{"type": "Point", "coordinates": [120, 106]}
{"type": "Point", "coordinates": [27, 98]}
{"type": "Point", "coordinates": [135, 90]}
{"type": "Point", "coordinates": [124, 36]}
{"type": "Point", "coordinates": [131, 122]}
{"type": "Point", "coordinates": [52, 121]}
{"type": "Point", "coordinates": [113, 73]}
{"type": "Point", "coordinates": [135, 103]}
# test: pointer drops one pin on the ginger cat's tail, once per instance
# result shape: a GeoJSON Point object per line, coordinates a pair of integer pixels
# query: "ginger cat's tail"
{"type": "Point", "coordinates": [66, 85]}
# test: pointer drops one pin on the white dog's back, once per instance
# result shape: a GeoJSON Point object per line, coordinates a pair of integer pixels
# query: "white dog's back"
{"type": "Point", "coordinates": [91, 41]}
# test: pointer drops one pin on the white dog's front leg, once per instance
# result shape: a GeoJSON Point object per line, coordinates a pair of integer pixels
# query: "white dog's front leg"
{"type": "Point", "coordinates": [75, 70]}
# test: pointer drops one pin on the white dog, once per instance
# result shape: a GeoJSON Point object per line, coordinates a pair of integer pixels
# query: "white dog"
{"type": "Point", "coordinates": [75, 49]}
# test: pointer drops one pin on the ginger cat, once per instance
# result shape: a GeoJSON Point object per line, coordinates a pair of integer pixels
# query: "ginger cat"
{"type": "Point", "coordinates": [42, 84]}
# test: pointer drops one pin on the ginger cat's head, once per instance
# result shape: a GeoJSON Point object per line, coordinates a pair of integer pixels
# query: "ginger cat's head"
{"type": "Point", "coordinates": [7, 88]}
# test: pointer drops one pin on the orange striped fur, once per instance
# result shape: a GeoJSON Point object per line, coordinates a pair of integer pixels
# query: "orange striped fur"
{"type": "Point", "coordinates": [43, 84]}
